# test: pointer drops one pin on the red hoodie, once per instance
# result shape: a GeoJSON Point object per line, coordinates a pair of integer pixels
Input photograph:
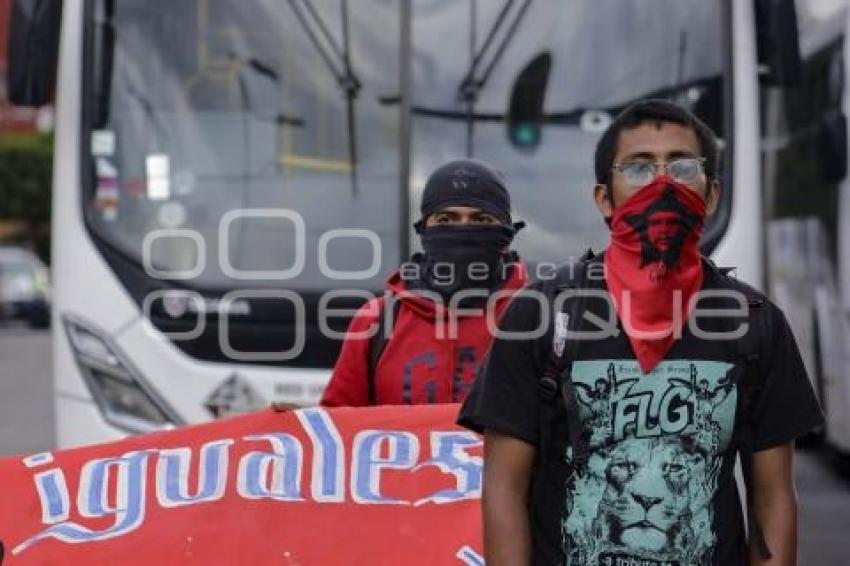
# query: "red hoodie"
{"type": "Point", "coordinates": [416, 366]}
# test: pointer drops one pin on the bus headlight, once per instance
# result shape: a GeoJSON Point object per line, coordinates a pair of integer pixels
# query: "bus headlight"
{"type": "Point", "coordinates": [122, 395]}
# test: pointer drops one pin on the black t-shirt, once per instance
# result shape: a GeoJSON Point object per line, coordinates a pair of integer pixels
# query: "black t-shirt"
{"type": "Point", "coordinates": [658, 487]}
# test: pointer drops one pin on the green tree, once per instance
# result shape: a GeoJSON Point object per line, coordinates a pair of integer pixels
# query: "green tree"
{"type": "Point", "coordinates": [26, 172]}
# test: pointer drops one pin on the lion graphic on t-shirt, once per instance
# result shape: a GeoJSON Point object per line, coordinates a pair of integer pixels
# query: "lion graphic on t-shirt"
{"type": "Point", "coordinates": [645, 508]}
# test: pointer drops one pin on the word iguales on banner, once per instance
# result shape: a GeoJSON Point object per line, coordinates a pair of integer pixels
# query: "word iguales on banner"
{"type": "Point", "coordinates": [381, 485]}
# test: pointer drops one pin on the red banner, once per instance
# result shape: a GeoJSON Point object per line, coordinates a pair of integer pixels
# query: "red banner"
{"type": "Point", "coordinates": [383, 485]}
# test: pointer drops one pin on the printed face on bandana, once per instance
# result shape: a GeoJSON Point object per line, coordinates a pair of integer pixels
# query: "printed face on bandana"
{"type": "Point", "coordinates": [661, 229]}
{"type": "Point", "coordinates": [662, 226]}
{"type": "Point", "coordinates": [654, 142]}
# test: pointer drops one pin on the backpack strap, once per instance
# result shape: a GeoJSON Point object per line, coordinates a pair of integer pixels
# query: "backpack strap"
{"type": "Point", "coordinates": [749, 351]}
{"type": "Point", "coordinates": [378, 342]}
{"type": "Point", "coordinates": [556, 374]}
{"type": "Point", "coordinates": [752, 383]}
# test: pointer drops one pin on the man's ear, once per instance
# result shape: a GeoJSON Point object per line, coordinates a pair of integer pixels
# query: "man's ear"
{"type": "Point", "coordinates": [602, 196]}
{"type": "Point", "coordinates": [712, 198]}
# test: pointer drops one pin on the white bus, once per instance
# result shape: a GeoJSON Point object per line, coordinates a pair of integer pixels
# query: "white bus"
{"type": "Point", "coordinates": [221, 165]}
{"type": "Point", "coordinates": [807, 205]}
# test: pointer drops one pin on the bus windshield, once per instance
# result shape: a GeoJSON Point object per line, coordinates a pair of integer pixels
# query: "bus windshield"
{"type": "Point", "coordinates": [229, 119]}
{"type": "Point", "coordinates": [204, 112]}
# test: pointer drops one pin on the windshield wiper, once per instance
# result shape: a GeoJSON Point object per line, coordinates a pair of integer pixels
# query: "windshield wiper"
{"type": "Point", "coordinates": [472, 84]}
{"type": "Point", "coordinates": [341, 69]}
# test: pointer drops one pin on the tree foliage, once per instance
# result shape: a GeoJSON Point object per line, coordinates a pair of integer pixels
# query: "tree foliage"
{"type": "Point", "coordinates": [26, 171]}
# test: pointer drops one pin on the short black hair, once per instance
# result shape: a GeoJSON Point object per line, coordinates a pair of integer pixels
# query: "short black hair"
{"type": "Point", "coordinates": [653, 110]}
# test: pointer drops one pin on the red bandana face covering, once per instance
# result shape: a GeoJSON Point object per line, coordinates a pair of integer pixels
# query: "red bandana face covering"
{"type": "Point", "coordinates": [653, 266]}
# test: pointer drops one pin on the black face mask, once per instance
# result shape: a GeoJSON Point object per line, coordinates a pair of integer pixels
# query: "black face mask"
{"type": "Point", "coordinates": [464, 257]}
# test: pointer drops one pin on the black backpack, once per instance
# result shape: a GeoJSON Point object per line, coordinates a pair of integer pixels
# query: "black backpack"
{"type": "Point", "coordinates": [556, 382]}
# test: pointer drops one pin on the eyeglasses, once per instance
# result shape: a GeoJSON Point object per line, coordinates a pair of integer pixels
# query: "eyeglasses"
{"type": "Point", "coordinates": [682, 169]}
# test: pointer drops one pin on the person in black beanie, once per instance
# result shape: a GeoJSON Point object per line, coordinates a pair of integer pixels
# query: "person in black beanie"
{"type": "Point", "coordinates": [466, 230]}
{"type": "Point", "coordinates": [466, 220]}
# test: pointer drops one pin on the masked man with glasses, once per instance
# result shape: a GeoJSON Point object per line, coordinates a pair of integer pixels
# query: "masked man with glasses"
{"type": "Point", "coordinates": [424, 340]}
{"type": "Point", "coordinates": [618, 447]}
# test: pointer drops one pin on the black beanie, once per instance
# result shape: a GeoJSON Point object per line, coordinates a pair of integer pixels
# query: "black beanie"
{"type": "Point", "coordinates": [466, 182]}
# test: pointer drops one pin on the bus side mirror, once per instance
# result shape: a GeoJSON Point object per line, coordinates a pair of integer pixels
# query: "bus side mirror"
{"type": "Point", "coordinates": [33, 50]}
{"type": "Point", "coordinates": [777, 42]}
{"type": "Point", "coordinates": [525, 112]}
{"type": "Point", "coordinates": [832, 145]}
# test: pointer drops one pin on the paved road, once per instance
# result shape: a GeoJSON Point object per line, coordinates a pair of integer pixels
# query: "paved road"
{"type": "Point", "coordinates": [26, 425]}
{"type": "Point", "coordinates": [26, 390]}
{"type": "Point", "coordinates": [824, 496]}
